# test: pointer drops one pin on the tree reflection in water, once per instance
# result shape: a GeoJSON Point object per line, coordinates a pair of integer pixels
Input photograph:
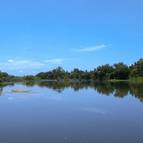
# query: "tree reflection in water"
{"type": "Point", "coordinates": [118, 89]}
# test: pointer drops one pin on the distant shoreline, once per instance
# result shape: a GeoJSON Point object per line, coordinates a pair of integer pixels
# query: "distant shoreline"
{"type": "Point", "coordinates": [114, 73]}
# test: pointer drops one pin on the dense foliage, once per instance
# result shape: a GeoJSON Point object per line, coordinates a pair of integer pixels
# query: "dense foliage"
{"type": "Point", "coordinates": [137, 69]}
{"type": "Point", "coordinates": [4, 77]}
{"type": "Point", "coordinates": [118, 71]}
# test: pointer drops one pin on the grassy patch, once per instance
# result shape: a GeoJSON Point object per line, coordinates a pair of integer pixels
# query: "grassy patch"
{"type": "Point", "coordinates": [136, 80]}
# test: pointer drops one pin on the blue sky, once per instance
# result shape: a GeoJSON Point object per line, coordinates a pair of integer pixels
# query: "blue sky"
{"type": "Point", "coordinates": [41, 35]}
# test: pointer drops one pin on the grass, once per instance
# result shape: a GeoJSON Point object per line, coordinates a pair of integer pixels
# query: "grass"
{"type": "Point", "coordinates": [118, 80]}
{"type": "Point", "coordinates": [130, 80]}
{"type": "Point", "coordinates": [136, 80]}
{"type": "Point", "coordinates": [2, 84]}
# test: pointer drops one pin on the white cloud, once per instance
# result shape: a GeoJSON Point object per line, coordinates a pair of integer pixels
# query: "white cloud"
{"type": "Point", "coordinates": [91, 49]}
{"type": "Point", "coordinates": [21, 71]}
{"type": "Point", "coordinates": [10, 61]}
{"type": "Point", "coordinates": [55, 61]}
{"type": "Point", "coordinates": [24, 65]}
{"type": "Point", "coordinates": [20, 64]}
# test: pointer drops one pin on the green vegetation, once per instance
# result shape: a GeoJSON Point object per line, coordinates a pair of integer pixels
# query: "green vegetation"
{"type": "Point", "coordinates": [114, 73]}
{"type": "Point", "coordinates": [4, 77]}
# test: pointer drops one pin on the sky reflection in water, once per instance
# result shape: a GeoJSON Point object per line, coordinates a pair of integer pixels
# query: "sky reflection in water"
{"type": "Point", "coordinates": [72, 113]}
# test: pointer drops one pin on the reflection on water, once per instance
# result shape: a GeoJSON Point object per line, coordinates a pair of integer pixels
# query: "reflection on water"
{"type": "Point", "coordinates": [71, 112]}
{"type": "Point", "coordinates": [118, 89]}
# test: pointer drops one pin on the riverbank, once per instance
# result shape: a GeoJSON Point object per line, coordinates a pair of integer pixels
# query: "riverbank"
{"type": "Point", "coordinates": [130, 80]}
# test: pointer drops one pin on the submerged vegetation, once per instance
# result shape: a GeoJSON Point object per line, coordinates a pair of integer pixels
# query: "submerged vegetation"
{"type": "Point", "coordinates": [20, 91]}
{"type": "Point", "coordinates": [113, 73]}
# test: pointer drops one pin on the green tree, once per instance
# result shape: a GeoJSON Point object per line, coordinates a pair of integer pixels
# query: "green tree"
{"type": "Point", "coordinates": [29, 78]}
{"type": "Point", "coordinates": [103, 72]}
{"type": "Point", "coordinates": [4, 77]}
{"type": "Point", "coordinates": [137, 69]}
{"type": "Point", "coordinates": [121, 71]}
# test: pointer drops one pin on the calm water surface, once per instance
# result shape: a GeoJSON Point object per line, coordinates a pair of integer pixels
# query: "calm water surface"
{"type": "Point", "coordinates": [72, 113]}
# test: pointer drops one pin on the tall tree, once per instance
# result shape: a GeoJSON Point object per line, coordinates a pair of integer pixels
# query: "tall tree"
{"type": "Point", "coordinates": [137, 69]}
{"type": "Point", "coordinates": [121, 71]}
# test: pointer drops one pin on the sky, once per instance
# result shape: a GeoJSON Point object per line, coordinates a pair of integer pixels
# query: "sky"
{"type": "Point", "coordinates": [39, 35]}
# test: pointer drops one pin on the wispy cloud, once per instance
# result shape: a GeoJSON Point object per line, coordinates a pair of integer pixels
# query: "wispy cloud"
{"type": "Point", "coordinates": [91, 49]}
{"type": "Point", "coordinates": [55, 61]}
{"type": "Point", "coordinates": [22, 65]}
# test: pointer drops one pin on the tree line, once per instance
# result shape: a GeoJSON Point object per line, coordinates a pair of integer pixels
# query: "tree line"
{"type": "Point", "coordinates": [118, 71]}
